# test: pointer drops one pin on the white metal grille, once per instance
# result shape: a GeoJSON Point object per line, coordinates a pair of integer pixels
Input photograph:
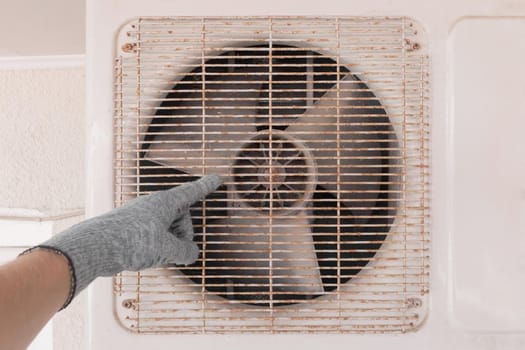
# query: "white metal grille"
{"type": "Point", "coordinates": [319, 126]}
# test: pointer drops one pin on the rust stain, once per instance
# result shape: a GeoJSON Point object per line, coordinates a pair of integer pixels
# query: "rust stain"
{"type": "Point", "coordinates": [411, 46]}
{"type": "Point", "coordinates": [129, 47]}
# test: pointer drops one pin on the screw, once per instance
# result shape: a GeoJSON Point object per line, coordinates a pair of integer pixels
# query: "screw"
{"type": "Point", "coordinates": [129, 303]}
{"type": "Point", "coordinates": [414, 302]}
{"type": "Point", "coordinates": [129, 47]}
{"type": "Point", "coordinates": [411, 46]}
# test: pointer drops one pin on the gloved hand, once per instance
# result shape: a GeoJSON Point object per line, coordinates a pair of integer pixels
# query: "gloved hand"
{"type": "Point", "coordinates": [148, 231]}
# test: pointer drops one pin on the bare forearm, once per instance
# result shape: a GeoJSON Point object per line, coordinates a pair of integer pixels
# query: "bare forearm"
{"type": "Point", "coordinates": [32, 289]}
{"type": "Point", "coordinates": [150, 231]}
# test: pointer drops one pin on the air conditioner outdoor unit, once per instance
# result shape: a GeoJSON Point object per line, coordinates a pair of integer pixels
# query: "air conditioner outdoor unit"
{"type": "Point", "coordinates": [370, 154]}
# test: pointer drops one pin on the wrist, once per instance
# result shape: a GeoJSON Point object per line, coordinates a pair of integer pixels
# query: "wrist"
{"type": "Point", "coordinates": [61, 265]}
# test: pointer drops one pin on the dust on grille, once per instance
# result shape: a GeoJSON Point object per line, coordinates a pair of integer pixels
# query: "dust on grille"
{"type": "Point", "coordinates": [319, 127]}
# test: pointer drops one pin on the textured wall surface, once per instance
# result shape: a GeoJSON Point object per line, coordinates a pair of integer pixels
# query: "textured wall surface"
{"type": "Point", "coordinates": [42, 139]}
{"type": "Point", "coordinates": [42, 162]}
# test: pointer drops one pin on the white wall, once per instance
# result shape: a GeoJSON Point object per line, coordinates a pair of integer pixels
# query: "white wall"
{"type": "Point", "coordinates": [35, 27]}
{"type": "Point", "coordinates": [42, 138]}
{"type": "Point", "coordinates": [42, 173]}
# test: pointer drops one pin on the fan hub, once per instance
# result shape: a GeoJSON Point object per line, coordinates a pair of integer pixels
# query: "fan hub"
{"type": "Point", "coordinates": [279, 173]}
{"type": "Point", "coordinates": [271, 177]}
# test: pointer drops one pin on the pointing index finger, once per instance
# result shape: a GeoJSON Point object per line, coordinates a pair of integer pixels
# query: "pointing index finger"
{"type": "Point", "coordinates": [191, 192]}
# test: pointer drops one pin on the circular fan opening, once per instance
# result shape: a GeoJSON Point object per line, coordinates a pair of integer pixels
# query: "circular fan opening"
{"type": "Point", "coordinates": [346, 229]}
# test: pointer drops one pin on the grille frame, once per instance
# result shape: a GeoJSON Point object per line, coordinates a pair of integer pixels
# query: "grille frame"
{"type": "Point", "coordinates": [402, 314]}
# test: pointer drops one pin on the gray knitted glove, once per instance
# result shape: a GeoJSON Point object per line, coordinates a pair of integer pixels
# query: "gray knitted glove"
{"type": "Point", "coordinates": [148, 231]}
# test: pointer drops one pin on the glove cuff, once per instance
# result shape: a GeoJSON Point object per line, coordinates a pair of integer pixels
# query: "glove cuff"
{"type": "Point", "coordinates": [71, 268]}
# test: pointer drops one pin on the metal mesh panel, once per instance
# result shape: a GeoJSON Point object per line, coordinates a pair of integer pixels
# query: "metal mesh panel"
{"type": "Point", "coordinates": [319, 127]}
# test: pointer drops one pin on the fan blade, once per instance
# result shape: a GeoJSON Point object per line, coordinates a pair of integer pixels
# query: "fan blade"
{"type": "Point", "coordinates": [295, 265]}
{"type": "Point", "coordinates": [197, 142]}
{"type": "Point", "coordinates": [237, 254]}
{"type": "Point", "coordinates": [364, 132]}
{"type": "Point", "coordinates": [154, 177]}
{"type": "Point", "coordinates": [191, 158]}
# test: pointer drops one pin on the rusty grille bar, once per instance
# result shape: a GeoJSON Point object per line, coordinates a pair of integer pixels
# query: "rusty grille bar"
{"type": "Point", "coordinates": [320, 128]}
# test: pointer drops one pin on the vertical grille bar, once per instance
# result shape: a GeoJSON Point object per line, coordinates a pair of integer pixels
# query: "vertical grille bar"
{"type": "Point", "coordinates": [338, 108]}
{"type": "Point", "coordinates": [404, 129]}
{"type": "Point", "coordinates": [137, 161]}
{"type": "Point", "coordinates": [203, 125]}
{"type": "Point", "coordinates": [118, 149]}
{"type": "Point", "coordinates": [270, 170]}
{"type": "Point", "coordinates": [423, 176]}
